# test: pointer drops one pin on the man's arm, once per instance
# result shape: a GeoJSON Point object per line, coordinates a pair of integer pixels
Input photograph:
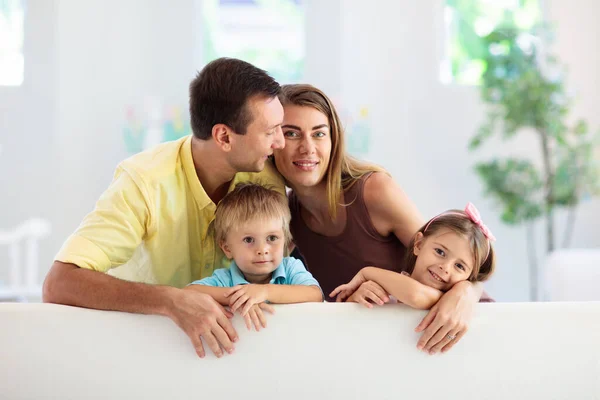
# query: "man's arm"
{"type": "Point", "coordinates": [196, 313]}
{"type": "Point", "coordinates": [217, 293]}
{"type": "Point", "coordinates": [70, 285]}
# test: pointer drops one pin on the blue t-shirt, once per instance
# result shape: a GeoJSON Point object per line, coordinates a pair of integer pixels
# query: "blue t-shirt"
{"type": "Point", "coordinates": [291, 271]}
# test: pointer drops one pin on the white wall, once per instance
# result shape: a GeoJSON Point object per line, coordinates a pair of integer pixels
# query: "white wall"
{"type": "Point", "coordinates": [28, 121]}
{"type": "Point", "coordinates": [85, 62]}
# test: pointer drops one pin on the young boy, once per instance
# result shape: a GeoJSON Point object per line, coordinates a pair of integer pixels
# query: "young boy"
{"type": "Point", "coordinates": [252, 228]}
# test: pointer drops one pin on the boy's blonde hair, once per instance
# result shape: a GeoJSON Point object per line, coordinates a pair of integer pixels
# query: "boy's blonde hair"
{"type": "Point", "coordinates": [458, 222]}
{"type": "Point", "coordinates": [250, 202]}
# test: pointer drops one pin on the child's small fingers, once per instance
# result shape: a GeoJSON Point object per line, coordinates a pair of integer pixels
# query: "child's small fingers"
{"type": "Point", "coordinates": [338, 290]}
{"type": "Point", "coordinates": [232, 290]}
{"type": "Point", "coordinates": [267, 307]}
{"type": "Point", "coordinates": [364, 302]}
{"type": "Point", "coordinates": [255, 319]}
{"type": "Point", "coordinates": [248, 322]}
{"type": "Point", "coordinates": [247, 306]}
{"type": "Point", "coordinates": [237, 304]}
{"type": "Point", "coordinates": [261, 317]}
{"type": "Point", "coordinates": [373, 297]}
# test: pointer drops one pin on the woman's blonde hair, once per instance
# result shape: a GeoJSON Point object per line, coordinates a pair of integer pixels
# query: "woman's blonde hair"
{"type": "Point", "coordinates": [343, 170]}
{"type": "Point", "coordinates": [458, 222]}
{"type": "Point", "coordinates": [251, 202]}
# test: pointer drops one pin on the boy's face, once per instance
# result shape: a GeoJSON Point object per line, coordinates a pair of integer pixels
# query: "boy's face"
{"type": "Point", "coordinates": [443, 259]}
{"type": "Point", "coordinates": [257, 248]}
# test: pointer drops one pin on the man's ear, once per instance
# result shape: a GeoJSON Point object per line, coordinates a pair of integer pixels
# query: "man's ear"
{"type": "Point", "coordinates": [226, 250]}
{"type": "Point", "coordinates": [419, 240]}
{"type": "Point", "coordinates": [223, 136]}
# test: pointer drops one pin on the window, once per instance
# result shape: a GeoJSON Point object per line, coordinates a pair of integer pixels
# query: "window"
{"type": "Point", "coordinates": [467, 21]}
{"type": "Point", "coordinates": [266, 33]}
{"type": "Point", "coordinates": [11, 42]}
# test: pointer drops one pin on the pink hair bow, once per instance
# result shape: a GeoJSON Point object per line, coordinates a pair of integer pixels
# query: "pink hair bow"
{"type": "Point", "coordinates": [474, 215]}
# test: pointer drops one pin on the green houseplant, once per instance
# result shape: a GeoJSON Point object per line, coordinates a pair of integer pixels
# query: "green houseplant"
{"type": "Point", "coordinates": [524, 93]}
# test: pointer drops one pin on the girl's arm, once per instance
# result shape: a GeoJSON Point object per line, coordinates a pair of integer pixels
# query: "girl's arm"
{"type": "Point", "coordinates": [402, 287]}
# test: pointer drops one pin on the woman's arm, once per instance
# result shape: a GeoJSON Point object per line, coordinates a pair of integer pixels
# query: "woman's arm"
{"type": "Point", "coordinates": [403, 287]}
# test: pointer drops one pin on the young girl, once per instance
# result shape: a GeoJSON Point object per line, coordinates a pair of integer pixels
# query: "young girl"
{"type": "Point", "coordinates": [452, 247]}
{"type": "Point", "coordinates": [252, 228]}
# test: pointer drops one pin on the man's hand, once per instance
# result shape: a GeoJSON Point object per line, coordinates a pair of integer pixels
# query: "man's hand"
{"type": "Point", "coordinates": [246, 296]}
{"type": "Point", "coordinates": [255, 316]}
{"type": "Point", "coordinates": [367, 294]}
{"type": "Point", "coordinates": [448, 320]}
{"type": "Point", "coordinates": [200, 316]}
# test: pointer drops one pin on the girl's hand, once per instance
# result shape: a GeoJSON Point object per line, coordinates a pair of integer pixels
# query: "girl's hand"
{"type": "Point", "coordinates": [255, 316]}
{"type": "Point", "coordinates": [344, 291]}
{"type": "Point", "coordinates": [246, 296]}
{"type": "Point", "coordinates": [370, 293]}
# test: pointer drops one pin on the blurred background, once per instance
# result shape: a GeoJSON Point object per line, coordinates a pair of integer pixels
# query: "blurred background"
{"type": "Point", "coordinates": [489, 101]}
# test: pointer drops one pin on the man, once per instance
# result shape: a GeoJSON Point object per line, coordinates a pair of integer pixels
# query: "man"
{"type": "Point", "coordinates": [155, 221]}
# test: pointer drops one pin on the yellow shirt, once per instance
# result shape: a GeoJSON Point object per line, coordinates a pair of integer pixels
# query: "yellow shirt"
{"type": "Point", "coordinates": [155, 221]}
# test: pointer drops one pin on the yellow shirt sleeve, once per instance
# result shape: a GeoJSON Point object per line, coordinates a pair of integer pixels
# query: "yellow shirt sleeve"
{"type": "Point", "coordinates": [110, 234]}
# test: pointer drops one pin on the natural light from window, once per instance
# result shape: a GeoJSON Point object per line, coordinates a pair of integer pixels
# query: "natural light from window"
{"type": "Point", "coordinates": [466, 22]}
{"type": "Point", "coordinates": [266, 33]}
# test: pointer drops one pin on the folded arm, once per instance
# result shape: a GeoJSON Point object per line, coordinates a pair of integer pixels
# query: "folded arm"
{"type": "Point", "coordinates": [404, 288]}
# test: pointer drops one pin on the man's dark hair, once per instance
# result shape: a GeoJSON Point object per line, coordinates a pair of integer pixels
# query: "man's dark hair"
{"type": "Point", "coordinates": [220, 92]}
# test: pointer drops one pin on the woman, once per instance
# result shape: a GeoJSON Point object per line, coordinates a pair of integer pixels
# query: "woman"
{"type": "Point", "coordinates": [348, 214]}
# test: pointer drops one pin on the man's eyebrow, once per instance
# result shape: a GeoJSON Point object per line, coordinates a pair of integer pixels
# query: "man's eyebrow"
{"type": "Point", "coordinates": [274, 126]}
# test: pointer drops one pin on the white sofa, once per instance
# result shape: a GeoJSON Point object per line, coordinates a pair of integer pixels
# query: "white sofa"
{"type": "Point", "coordinates": [308, 351]}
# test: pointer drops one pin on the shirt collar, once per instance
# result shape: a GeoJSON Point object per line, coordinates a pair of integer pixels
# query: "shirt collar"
{"type": "Point", "coordinates": [187, 161]}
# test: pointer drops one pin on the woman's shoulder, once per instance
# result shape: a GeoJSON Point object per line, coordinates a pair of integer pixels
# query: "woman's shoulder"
{"type": "Point", "coordinates": [377, 184]}
{"type": "Point", "coordinates": [390, 209]}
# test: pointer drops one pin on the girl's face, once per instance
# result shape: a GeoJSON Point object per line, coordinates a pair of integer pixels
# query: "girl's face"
{"type": "Point", "coordinates": [304, 160]}
{"type": "Point", "coordinates": [443, 259]}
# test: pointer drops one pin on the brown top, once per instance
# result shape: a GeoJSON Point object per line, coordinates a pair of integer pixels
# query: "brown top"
{"type": "Point", "coordinates": [334, 260]}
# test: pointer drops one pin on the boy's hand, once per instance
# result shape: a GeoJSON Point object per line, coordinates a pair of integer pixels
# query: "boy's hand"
{"type": "Point", "coordinates": [255, 316]}
{"type": "Point", "coordinates": [247, 296]}
{"type": "Point", "coordinates": [344, 291]}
